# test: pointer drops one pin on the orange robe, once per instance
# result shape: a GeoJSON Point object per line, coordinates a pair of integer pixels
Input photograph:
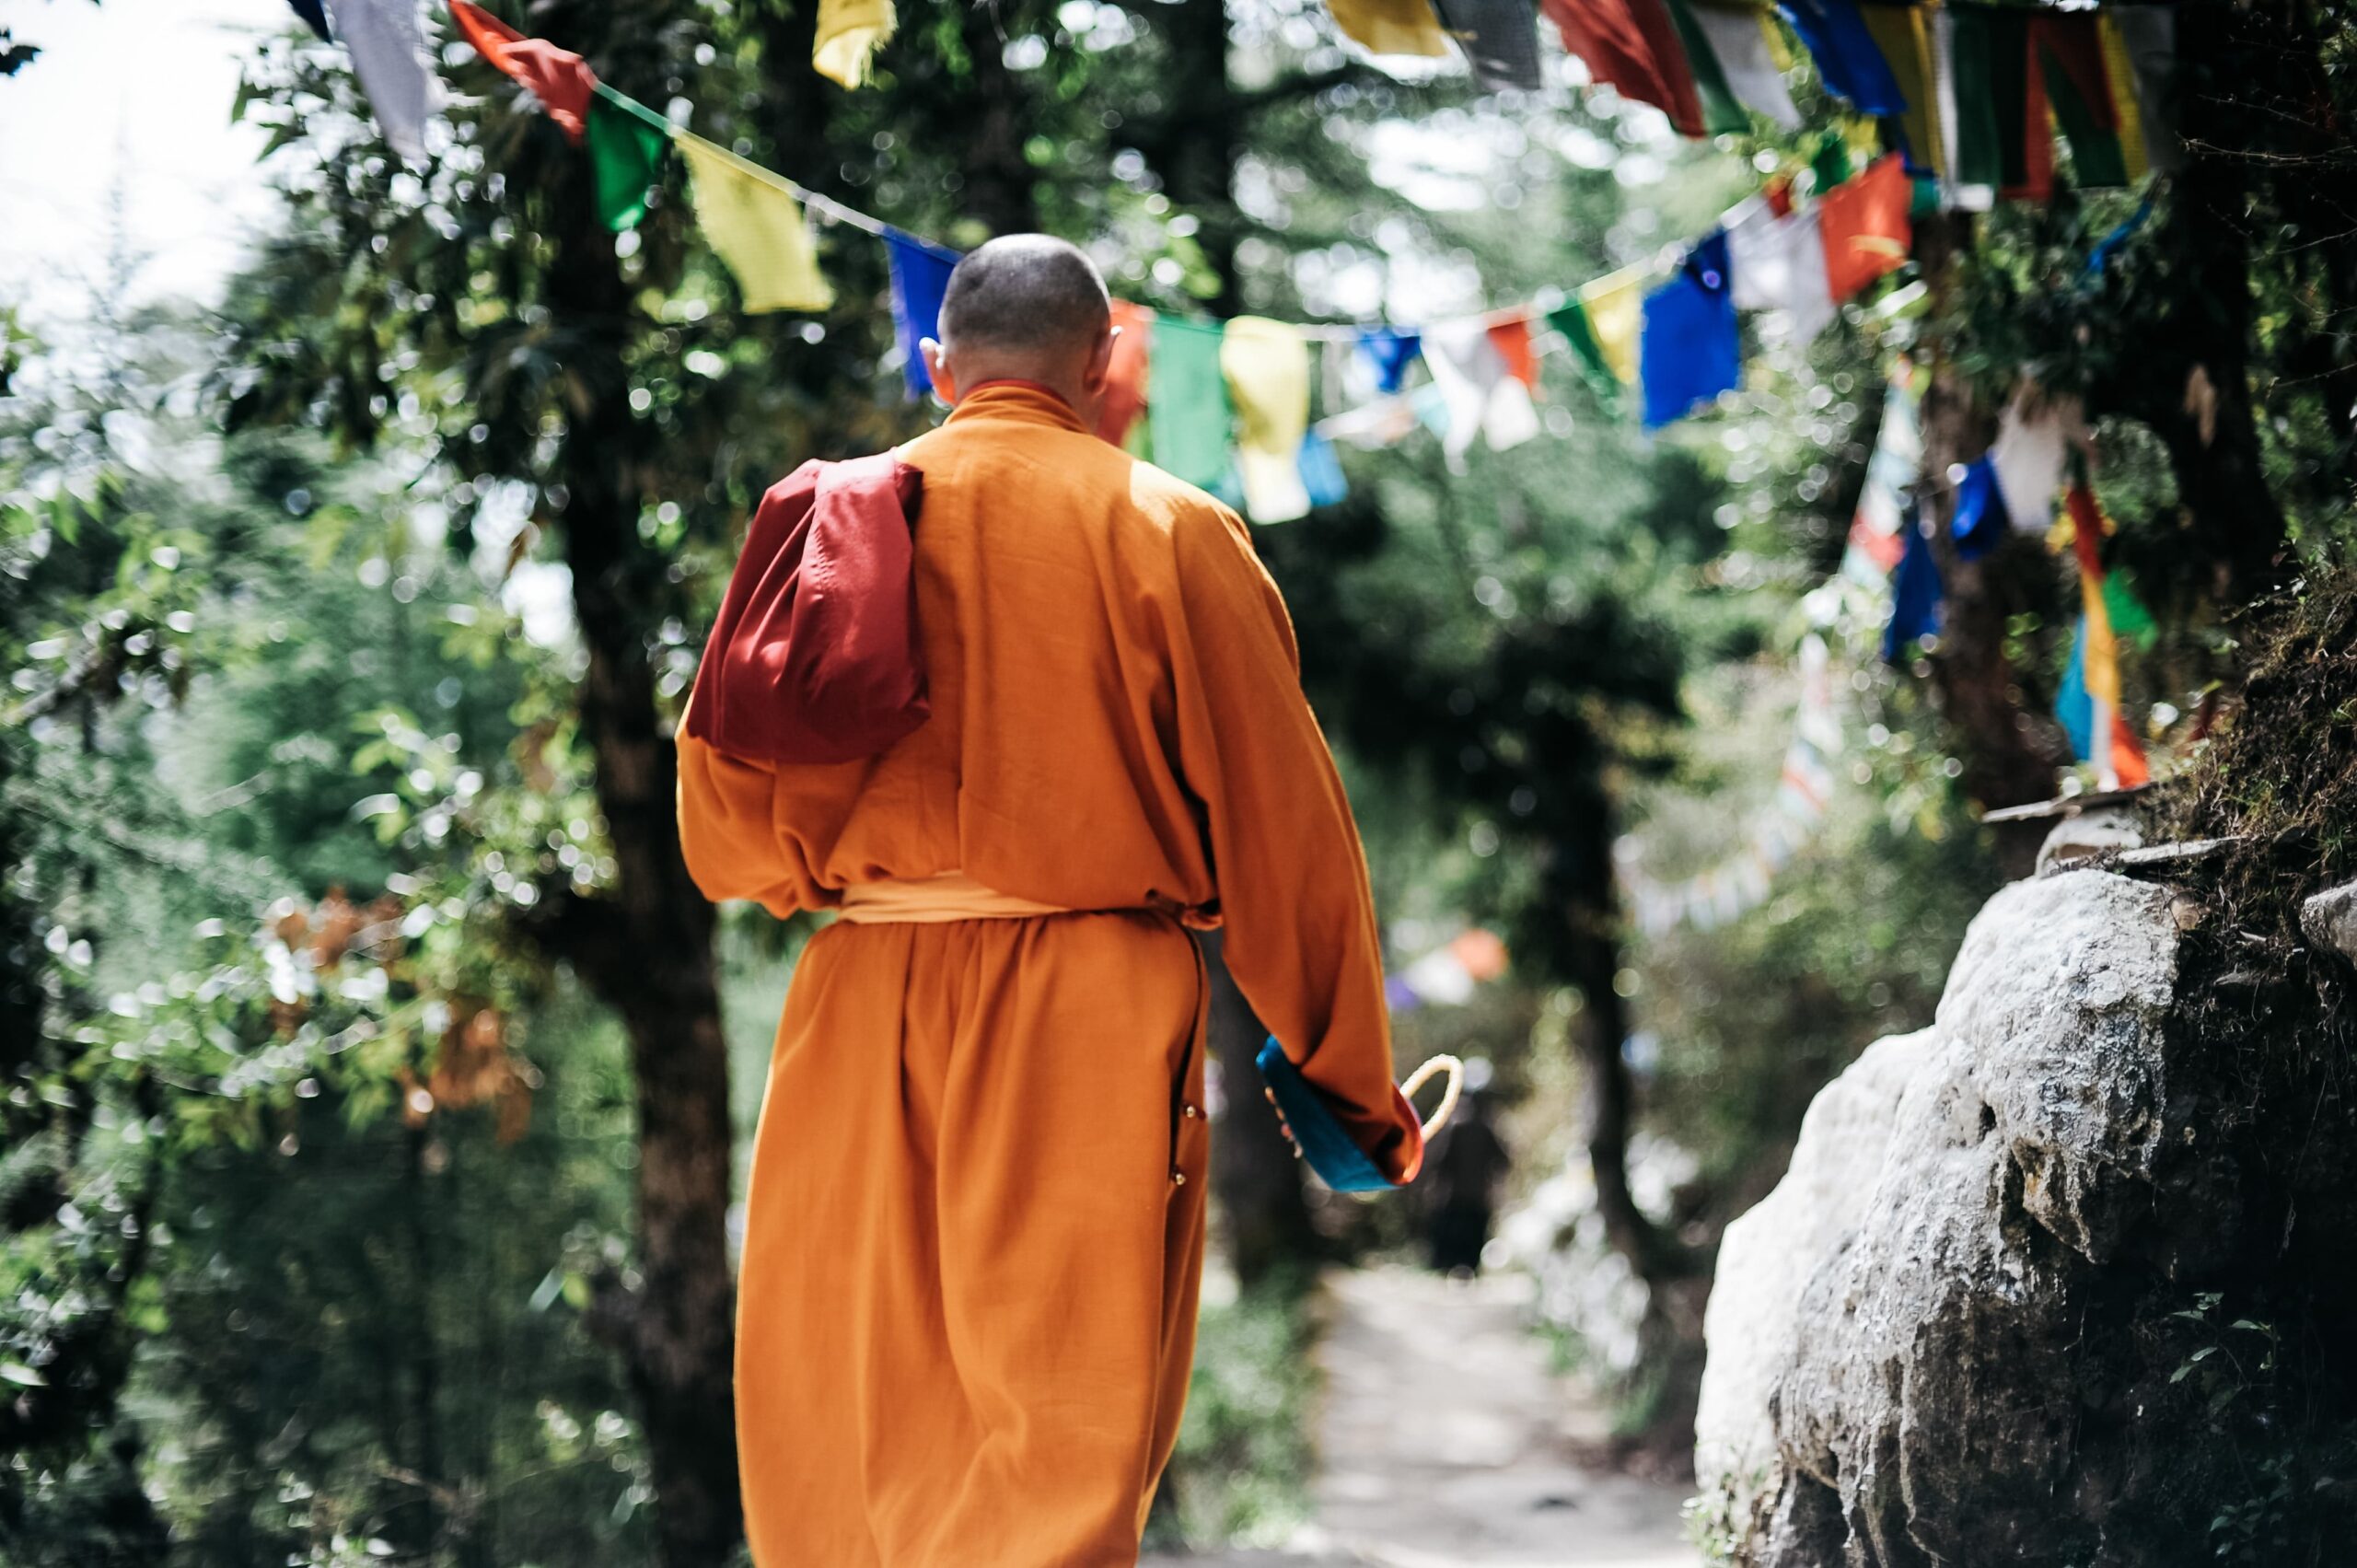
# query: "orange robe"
{"type": "Point", "coordinates": [975, 1218]}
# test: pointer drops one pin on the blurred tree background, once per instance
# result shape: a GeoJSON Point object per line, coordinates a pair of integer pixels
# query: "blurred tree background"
{"type": "Point", "coordinates": [376, 1084]}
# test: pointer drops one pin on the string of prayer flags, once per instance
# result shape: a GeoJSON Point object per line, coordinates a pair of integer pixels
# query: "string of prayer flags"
{"type": "Point", "coordinates": [1267, 368]}
{"type": "Point", "coordinates": [559, 78]}
{"type": "Point", "coordinates": [2089, 703]}
{"type": "Point", "coordinates": [849, 33]}
{"type": "Point", "coordinates": [1391, 27]}
{"type": "Point", "coordinates": [313, 17]}
{"type": "Point", "coordinates": [1484, 398]}
{"type": "Point", "coordinates": [1865, 225]}
{"type": "Point", "coordinates": [1392, 352]}
{"type": "Point", "coordinates": [1500, 37]}
{"type": "Point", "coordinates": [1188, 416]}
{"type": "Point", "coordinates": [920, 278]}
{"type": "Point", "coordinates": [1778, 265]}
{"type": "Point", "coordinates": [1691, 348]}
{"type": "Point", "coordinates": [1734, 69]}
{"type": "Point", "coordinates": [1125, 377]}
{"type": "Point", "coordinates": [1615, 306]}
{"type": "Point", "coordinates": [1631, 46]}
{"type": "Point", "coordinates": [389, 55]}
{"type": "Point", "coordinates": [627, 141]}
{"type": "Point", "coordinates": [756, 226]}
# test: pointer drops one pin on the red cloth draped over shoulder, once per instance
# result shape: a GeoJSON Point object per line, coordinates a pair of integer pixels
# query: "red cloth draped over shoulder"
{"type": "Point", "coordinates": [814, 657]}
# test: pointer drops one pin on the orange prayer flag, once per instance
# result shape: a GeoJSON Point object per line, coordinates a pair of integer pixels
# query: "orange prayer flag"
{"type": "Point", "coordinates": [560, 79]}
{"type": "Point", "coordinates": [1125, 389]}
{"type": "Point", "coordinates": [1511, 337]}
{"type": "Point", "coordinates": [1866, 227]}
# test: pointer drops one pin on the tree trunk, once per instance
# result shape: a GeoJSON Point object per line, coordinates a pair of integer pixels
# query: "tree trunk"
{"type": "Point", "coordinates": [651, 958]}
{"type": "Point", "coordinates": [2009, 753]}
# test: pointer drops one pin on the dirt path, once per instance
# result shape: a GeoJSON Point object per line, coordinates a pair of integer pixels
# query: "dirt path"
{"type": "Point", "coordinates": [1446, 1442]}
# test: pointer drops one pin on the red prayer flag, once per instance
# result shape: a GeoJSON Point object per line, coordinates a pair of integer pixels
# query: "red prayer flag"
{"type": "Point", "coordinates": [1631, 46]}
{"type": "Point", "coordinates": [558, 77]}
{"type": "Point", "coordinates": [1512, 340]}
{"type": "Point", "coordinates": [1865, 226]}
{"type": "Point", "coordinates": [1125, 379]}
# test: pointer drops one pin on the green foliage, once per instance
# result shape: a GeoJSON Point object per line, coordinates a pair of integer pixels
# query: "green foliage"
{"type": "Point", "coordinates": [1241, 1470]}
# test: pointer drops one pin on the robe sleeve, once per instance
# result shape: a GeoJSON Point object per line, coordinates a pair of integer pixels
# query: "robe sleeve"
{"type": "Point", "coordinates": [1302, 940]}
{"type": "Point", "coordinates": [727, 832]}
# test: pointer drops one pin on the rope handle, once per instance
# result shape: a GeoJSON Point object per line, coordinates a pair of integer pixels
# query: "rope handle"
{"type": "Point", "coordinates": [1421, 1075]}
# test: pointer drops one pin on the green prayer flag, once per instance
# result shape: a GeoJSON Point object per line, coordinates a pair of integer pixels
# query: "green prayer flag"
{"type": "Point", "coordinates": [2129, 619]}
{"type": "Point", "coordinates": [1831, 163]}
{"type": "Point", "coordinates": [1186, 400]}
{"type": "Point", "coordinates": [1721, 112]}
{"type": "Point", "coordinates": [1586, 351]}
{"type": "Point", "coordinates": [627, 141]}
{"type": "Point", "coordinates": [1989, 48]}
{"type": "Point", "coordinates": [2069, 59]}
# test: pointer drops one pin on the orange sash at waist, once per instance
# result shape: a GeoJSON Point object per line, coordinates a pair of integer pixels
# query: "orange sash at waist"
{"type": "Point", "coordinates": [933, 900]}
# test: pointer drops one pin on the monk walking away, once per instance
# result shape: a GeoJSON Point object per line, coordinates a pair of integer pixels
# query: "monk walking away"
{"type": "Point", "coordinates": [975, 1217]}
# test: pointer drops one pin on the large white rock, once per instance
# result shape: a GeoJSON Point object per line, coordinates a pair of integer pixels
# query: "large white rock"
{"type": "Point", "coordinates": [1916, 1381]}
{"type": "Point", "coordinates": [1766, 1256]}
{"type": "Point", "coordinates": [2329, 919]}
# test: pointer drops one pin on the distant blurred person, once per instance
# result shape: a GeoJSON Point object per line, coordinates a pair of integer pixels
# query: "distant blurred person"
{"type": "Point", "coordinates": [975, 1217]}
{"type": "Point", "coordinates": [1464, 1167]}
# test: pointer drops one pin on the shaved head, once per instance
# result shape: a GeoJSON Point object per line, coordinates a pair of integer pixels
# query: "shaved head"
{"type": "Point", "coordinates": [1025, 307]}
{"type": "Point", "coordinates": [1024, 292]}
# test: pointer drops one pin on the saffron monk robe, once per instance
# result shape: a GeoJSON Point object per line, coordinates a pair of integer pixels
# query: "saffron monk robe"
{"type": "Point", "coordinates": [975, 1224]}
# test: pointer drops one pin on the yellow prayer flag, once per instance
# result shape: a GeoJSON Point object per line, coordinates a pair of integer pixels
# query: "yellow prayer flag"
{"type": "Point", "coordinates": [1266, 365]}
{"type": "Point", "coordinates": [2119, 75]}
{"type": "Point", "coordinates": [1615, 309]}
{"type": "Point", "coordinates": [753, 222]}
{"type": "Point", "coordinates": [1391, 27]}
{"type": "Point", "coordinates": [850, 32]}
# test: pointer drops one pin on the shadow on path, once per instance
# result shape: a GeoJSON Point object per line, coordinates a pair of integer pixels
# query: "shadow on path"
{"type": "Point", "coordinates": [1445, 1442]}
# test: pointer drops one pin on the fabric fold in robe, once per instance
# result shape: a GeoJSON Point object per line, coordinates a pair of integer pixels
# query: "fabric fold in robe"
{"type": "Point", "coordinates": [1188, 414]}
{"type": "Point", "coordinates": [388, 56]}
{"type": "Point", "coordinates": [752, 221]}
{"type": "Point", "coordinates": [1267, 368]}
{"type": "Point", "coordinates": [1391, 27]}
{"type": "Point", "coordinates": [919, 279]}
{"type": "Point", "coordinates": [1865, 226]}
{"type": "Point", "coordinates": [1631, 46]}
{"type": "Point", "coordinates": [974, 1227]}
{"type": "Point", "coordinates": [849, 33]}
{"type": "Point", "coordinates": [559, 78]}
{"type": "Point", "coordinates": [1500, 39]}
{"type": "Point", "coordinates": [1691, 349]}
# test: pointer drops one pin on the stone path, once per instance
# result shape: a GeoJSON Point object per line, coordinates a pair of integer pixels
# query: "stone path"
{"type": "Point", "coordinates": [1446, 1442]}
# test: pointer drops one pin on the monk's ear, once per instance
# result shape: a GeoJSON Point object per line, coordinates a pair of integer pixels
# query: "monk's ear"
{"type": "Point", "coordinates": [937, 365]}
{"type": "Point", "coordinates": [1100, 362]}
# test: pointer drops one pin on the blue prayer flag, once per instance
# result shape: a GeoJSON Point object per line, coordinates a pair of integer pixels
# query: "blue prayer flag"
{"type": "Point", "coordinates": [1915, 591]}
{"type": "Point", "coordinates": [1848, 61]}
{"type": "Point", "coordinates": [2074, 704]}
{"type": "Point", "coordinates": [1691, 350]}
{"type": "Point", "coordinates": [1981, 517]}
{"type": "Point", "coordinates": [1392, 351]}
{"type": "Point", "coordinates": [920, 277]}
{"type": "Point", "coordinates": [1321, 471]}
